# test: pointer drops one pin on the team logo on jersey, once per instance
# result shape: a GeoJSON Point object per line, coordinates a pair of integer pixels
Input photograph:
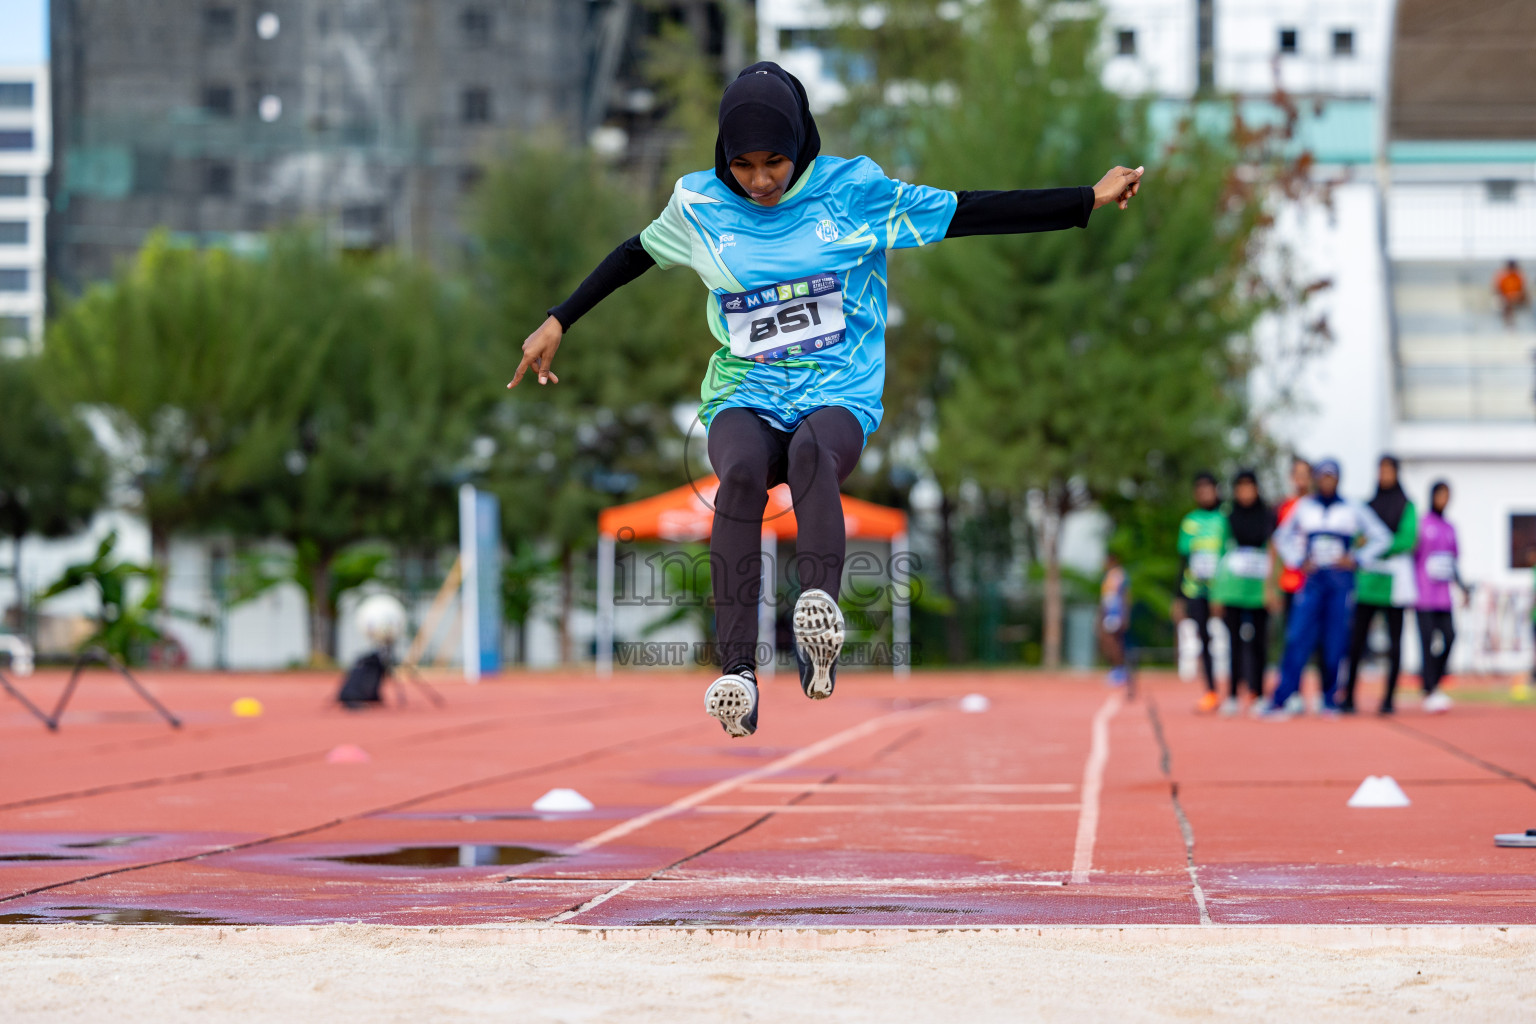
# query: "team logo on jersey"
{"type": "Point", "coordinates": [725, 242]}
{"type": "Point", "coordinates": [826, 230]}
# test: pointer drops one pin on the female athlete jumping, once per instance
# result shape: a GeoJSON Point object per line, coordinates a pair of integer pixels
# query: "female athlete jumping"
{"type": "Point", "coordinates": [791, 245]}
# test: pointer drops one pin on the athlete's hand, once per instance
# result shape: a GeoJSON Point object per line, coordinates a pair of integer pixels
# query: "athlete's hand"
{"type": "Point", "coordinates": [1117, 186]}
{"type": "Point", "coordinates": [539, 352]}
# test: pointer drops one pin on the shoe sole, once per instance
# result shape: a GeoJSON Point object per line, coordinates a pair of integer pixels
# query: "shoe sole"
{"type": "Point", "coordinates": [819, 635]}
{"type": "Point", "coordinates": [731, 701]}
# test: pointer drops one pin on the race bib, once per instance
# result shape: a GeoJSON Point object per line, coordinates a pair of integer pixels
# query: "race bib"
{"type": "Point", "coordinates": [1326, 550]}
{"type": "Point", "coordinates": [1202, 564]}
{"type": "Point", "coordinates": [1248, 563]}
{"type": "Point", "coordinates": [797, 318]}
{"type": "Point", "coordinates": [1440, 566]}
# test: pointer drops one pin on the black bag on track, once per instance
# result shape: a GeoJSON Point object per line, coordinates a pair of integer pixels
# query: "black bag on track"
{"type": "Point", "coordinates": [364, 682]}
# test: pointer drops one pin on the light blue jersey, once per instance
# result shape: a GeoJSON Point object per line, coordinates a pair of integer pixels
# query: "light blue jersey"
{"type": "Point", "coordinates": [797, 290]}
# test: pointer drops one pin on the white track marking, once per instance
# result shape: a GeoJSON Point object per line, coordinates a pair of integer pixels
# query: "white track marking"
{"type": "Point", "coordinates": [911, 788]}
{"type": "Point", "coordinates": [894, 808]}
{"type": "Point", "coordinates": [1093, 783]}
{"type": "Point", "coordinates": [719, 789]}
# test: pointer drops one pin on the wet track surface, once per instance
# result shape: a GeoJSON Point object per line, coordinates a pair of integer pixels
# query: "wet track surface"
{"type": "Point", "coordinates": [888, 805]}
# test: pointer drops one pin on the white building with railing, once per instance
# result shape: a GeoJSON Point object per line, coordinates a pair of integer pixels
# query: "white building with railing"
{"type": "Point", "coordinates": [1422, 113]}
{"type": "Point", "coordinates": [25, 148]}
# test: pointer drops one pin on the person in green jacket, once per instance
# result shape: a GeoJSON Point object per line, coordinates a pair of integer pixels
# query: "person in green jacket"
{"type": "Point", "coordinates": [1202, 538]}
{"type": "Point", "coordinates": [1245, 592]}
{"type": "Point", "coordinates": [1385, 586]}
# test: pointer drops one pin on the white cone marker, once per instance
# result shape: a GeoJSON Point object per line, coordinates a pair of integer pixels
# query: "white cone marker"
{"type": "Point", "coordinates": [1379, 791]}
{"type": "Point", "coordinates": [562, 800]}
{"type": "Point", "coordinates": [974, 703]}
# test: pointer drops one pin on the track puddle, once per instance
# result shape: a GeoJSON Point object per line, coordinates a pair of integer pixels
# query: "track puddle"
{"type": "Point", "coordinates": [113, 915]}
{"type": "Point", "coordinates": [463, 856]}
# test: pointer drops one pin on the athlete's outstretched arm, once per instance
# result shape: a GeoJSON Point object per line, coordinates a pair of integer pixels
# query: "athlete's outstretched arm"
{"type": "Point", "coordinates": [618, 268]}
{"type": "Point", "coordinates": [1021, 211]}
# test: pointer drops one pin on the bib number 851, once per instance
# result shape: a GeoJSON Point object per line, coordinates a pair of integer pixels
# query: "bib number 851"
{"type": "Point", "coordinates": [790, 319]}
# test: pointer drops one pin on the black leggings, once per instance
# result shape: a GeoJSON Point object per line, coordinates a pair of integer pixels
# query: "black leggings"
{"type": "Point", "coordinates": [1250, 650]}
{"type": "Point", "coordinates": [1430, 623]}
{"type": "Point", "coordinates": [1199, 609]}
{"type": "Point", "coordinates": [750, 457]}
{"type": "Point", "coordinates": [1364, 613]}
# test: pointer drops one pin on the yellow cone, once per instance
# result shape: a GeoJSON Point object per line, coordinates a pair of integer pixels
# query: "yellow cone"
{"type": "Point", "coordinates": [1521, 690]}
{"type": "Point", "coordinates": [246, 707]}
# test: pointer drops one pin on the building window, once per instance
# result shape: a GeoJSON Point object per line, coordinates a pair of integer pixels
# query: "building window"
{"type": "Point", "coordinates": [1343, 42]}
{"type": "Point", "coordinates": [470, 178]}
{"type": "Point", "coordinates": [15, 141]}
{"type": "Point", "coordinates": [219, 100]}
{"type": "Point", "coordinates": [1289, 40]}
{"type": "Point", "coordinates": [1205, 45]}
{"type": "Point", "coordinates": [1522, 541]}
{"type": "Point", "coordinates": [218, 178]}
{"type": "Point", "coordinates": [13, 232]}
{"type": "Point", "coordinates": [16, 95]}
{"type": "Point", "coordinates": [218, 24]}
{"type": "Point", "coordinates": [13, 279]}
{"type": "Point", "coordinates": [14, 327]}
{"type": "Point", "coordinates": [1501, 190]}
{"type": "Point", "coordinates": [476, 22]}
{"type": "Point", "coordinates": [362, 218]}
{"type": "Point", "coordinates": [1125, 42]}
{"type": "Point", "coordinates": [477, 106]}
{"type": "Point", "coordinates": [13, 186]}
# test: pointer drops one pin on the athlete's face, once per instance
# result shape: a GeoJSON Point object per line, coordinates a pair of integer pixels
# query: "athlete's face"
{"type": "Point", "coordinates": [1301, 477]}
{"type": "Point", "coordinates": [1206, 495]}
{"type": "Point", "coordinates": [1440, 499]}
{"type": "Point", "coordinates": [763, 175]}
{"type": "Point", "coordinates": [1246, 492]}
{"type": "Point", "coordinates": [1386, 475]}
{"type": "Point", "coordinates": [1327, 485]}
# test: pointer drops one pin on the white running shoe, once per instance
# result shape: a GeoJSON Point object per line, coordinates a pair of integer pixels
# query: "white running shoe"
{"type": "Point", "coordinates": [1229, 707]}
{"type": "Point", "coordinates": [818, 642]}
{"type": "Point", "coordinates": [1438, 703]}
{"type": "Point", "coordinates": [733, 700]}
{"type": "Point", "coordinates": [1295, 704]}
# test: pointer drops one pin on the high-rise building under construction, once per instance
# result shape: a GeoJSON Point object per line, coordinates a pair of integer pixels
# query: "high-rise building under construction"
{"type": "Point", "coordinates": [220, 119]}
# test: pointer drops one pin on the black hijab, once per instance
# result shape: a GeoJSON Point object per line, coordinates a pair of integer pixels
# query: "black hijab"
{"type": "Point", "coordinates": [765, 109]}
{"type": "Point", "coordinates": [1390, 503]}
{"type": "Point", "coordinates": [1253, 524]}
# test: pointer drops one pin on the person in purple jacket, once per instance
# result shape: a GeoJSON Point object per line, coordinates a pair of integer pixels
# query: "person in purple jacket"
{"type": "Point", "coordinates": [1435, 566]}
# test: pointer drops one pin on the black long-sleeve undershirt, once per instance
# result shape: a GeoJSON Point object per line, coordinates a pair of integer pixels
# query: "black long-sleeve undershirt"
{"type": "Point", "coordinates": [1014, 212]}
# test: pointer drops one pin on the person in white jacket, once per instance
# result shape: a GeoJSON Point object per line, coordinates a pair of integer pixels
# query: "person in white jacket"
{"type": "Point", "coordinates": [1325, 537]}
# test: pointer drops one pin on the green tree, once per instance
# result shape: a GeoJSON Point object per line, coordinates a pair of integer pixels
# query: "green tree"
{"type": "Point", "coordinates": [1087, 367]}
{"type": "Point", "coordinates": [544, 218]}
{"type": "Point", "coordinates": [124, 627]}
{"type": "Point", "coordinates": [383, 435]}
{"type": "Point", "coordinates": [198, 363]}
{"type": "Point", "coordinates": [52, 473]}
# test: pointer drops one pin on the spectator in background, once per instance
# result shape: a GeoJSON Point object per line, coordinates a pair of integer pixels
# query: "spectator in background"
{"type": "Point", "coordinates": [1320, 539]}
{"type": "Point", "coordinates": [1292, 579]}
{"type": "Point", "coordinates": [1115, 618]}
{"type": "Point", "coordinates": [1435, 563]}
{"type": "Point", "coordinates": [1509, 286]}
{"type": "Point", "coordinates": [1243, 589]}
{"type": "Point", "coordinates": [1202, 537]}
{"type": "Point", "coordinates": [1384, 587]}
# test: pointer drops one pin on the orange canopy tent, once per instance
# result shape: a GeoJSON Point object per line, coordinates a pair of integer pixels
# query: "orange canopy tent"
{"type": "Point", "coordinates": [687, 514]}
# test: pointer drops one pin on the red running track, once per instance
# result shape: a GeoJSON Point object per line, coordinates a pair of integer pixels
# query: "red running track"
{"type": "Point", "coordinates": [887, 805]}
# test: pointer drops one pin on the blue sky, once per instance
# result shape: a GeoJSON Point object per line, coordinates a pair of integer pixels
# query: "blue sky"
{"type": "Point", "coordinates": [23, 31]}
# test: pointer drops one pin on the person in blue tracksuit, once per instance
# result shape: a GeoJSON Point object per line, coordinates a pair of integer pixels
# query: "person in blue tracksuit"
{"type": "Point", "coordinates": [1325, 537]}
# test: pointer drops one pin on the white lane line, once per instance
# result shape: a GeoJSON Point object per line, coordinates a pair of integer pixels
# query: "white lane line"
{"type": "Point", "coordinates": [719, 789]}
{"type": "Point", "coordinates": [1093, 783]}
{"type": "Point", "coordinates": [910, 788]}
{"type": "Point", "coordinates": [898, 808]}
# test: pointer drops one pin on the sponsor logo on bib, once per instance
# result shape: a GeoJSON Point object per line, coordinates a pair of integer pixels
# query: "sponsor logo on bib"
{"type": "Point", "coordinates": [789, 319]}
